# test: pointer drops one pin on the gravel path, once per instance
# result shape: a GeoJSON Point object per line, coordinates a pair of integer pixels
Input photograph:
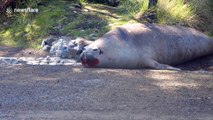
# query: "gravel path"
{"type": "Point", "coordinates": [44, 92]}
{"type": "Point", "coordinates": [66, 92]}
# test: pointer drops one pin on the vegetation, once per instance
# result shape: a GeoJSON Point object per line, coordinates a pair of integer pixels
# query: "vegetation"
{"type": "Point", "coordinates": [91, 20]}
{"type": "Point", "coordinates": [193, 13]}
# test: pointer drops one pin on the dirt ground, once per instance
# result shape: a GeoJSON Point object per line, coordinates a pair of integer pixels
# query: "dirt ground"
{"type": "Point", "coordinates": [77, 93]}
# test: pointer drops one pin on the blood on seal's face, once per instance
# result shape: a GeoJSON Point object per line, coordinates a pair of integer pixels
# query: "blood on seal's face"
{"type": "Point", "coordinates": [90, 56]}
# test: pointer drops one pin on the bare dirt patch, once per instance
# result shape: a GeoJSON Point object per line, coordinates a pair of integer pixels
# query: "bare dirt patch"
{"type": "Point", "coordinates": [6, 51]}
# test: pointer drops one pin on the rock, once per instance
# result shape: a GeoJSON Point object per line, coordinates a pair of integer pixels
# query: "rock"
{"type": "Point", "coordinates": [55, 63]}
{"type": "Point", "coordinates": [44, 62]}
{"type": "Point", "coordinates": [33, 62]}
{"type": "Point", "coordinates": [14, 61]}
{"type": "Point", "coordinates": [23, 58]}
{"type": "Point", "coordinates": [46, 48]}
{"type": "Point", "coordinates": [10, 60]}
{"type": "Point", "coordinates": [59, 48]}
{"type": "Point", "coordinates": [30, 59]}
{"type": "Point", "coordinates": [47, 58]}
{"type": "Point", "coordinates": [48, 41]}
{"type": "Point", "coordinates": [68, 63]}
{"type": "Point", "coordinates": [7, 60]}
{"type": "Point", "coordinates": [37, 61]}
{"type": "Point", "coordinates": [64, 47]}
{"type": "Point", "coordinates": [55, 59]}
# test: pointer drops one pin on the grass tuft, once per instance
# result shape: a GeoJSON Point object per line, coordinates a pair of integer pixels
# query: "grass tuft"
{"type": "Point", "coordinates": [175, 12]}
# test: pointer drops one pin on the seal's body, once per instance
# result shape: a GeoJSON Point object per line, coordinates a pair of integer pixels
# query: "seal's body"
{"type": "Point", "coordinates": [146, 45]}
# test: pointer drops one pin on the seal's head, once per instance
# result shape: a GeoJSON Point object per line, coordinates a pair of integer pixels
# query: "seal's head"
{"type": "Point", "coordinates": [90, 56]}
{"type": "Point", "coordinates": [105, 52]}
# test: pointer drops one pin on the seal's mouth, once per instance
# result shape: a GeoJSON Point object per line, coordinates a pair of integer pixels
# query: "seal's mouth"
{"type": "Point", "coordinates": [88, 61]}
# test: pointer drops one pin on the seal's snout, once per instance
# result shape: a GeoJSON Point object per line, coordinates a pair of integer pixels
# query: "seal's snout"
{"type": "Point", "coordinates": [88, 60]}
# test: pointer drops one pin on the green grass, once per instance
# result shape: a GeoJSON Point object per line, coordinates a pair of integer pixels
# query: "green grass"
{"type": "Point", "coordinates": [174, 12]}
{"type": "Point", "coordinates": [135, 8]}
{"type": "Point", "coordinates": [194, 13]}
{"type": "Point", "coordinates": [197, 14]}
{"type": "Point", "coordinates": [61, 18]}
{"type": "Point", "coordinates": [27, 30]}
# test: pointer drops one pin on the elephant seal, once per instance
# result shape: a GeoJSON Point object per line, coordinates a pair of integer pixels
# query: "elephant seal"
{"type": "Point", "coordinates": [146, 46]}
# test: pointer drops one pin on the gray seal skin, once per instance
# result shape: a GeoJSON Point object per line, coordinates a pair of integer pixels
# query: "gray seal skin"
{"type": "Point", "coordinates": [75, 47]}
{"type": "Point", "coordinates": [146, 46]}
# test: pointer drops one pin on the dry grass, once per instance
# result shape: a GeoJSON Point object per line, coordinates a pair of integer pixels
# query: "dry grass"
{"type": "Point", "coordinates": [193, 13]}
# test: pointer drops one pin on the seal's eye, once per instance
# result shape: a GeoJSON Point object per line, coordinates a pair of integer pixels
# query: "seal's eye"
{"type": "Point", "coordinates": [95, 49]}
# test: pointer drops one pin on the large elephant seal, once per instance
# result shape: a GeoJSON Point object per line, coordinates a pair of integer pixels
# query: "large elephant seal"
{"type": "Point", "coordinates": [146, 45]}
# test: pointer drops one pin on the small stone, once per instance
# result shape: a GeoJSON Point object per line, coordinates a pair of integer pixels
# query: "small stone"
{"type": "Point", "coordinates": [31, 59]}
{"type": "Point", "coordinates": [55, 59]}
{"type": "Point", "coordinates": [43, 63]}
{"type": "Point", "coordinates": [69, 63]}
{"type": "Point", "coordinates": [7, 60]}
{"type": "Point", "coordinates": [40, 59]}
{"type": "Point", "coordinates": [76, 64]}
{"type": "Point", "coordinates": [22, 59]}
{"type": "Point", "coordinates": [47, 58]}
{"type": "Point", "coordinates": [14, 61]}
{"type": "Point", "coordinates": [32, 62]}
{"type": "Point", "coordinates": [55, 63]}
{"type": "Point", "coordinates": [62, 62]}
{"type": "Point", "coordinates": [46, 48]}
{"type": "Point", "coordinates": [35, 63]}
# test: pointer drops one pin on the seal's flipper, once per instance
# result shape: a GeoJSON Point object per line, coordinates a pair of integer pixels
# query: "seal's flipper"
{"type": "Point", "coordinates": [155, 65]}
